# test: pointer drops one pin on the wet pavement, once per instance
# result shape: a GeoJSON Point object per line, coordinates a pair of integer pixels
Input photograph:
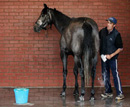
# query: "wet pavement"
{"type": "Point", "coordinates": [50, 97]}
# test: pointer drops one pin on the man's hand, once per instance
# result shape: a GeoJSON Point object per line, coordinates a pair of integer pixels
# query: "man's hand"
{"type": "Point", "coordinates": [115, 53]}
{"type": "Point", "coordinates": [109, 56]}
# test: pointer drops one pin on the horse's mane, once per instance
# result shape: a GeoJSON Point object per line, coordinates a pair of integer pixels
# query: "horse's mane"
{"type": "Point", "coordinates": [60, 14]}
{"type": "Point", "coordinates": [61, 17]}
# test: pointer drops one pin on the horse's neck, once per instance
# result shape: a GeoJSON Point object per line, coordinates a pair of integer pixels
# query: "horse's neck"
{"type": "Point", "coordinates": [60, 21]}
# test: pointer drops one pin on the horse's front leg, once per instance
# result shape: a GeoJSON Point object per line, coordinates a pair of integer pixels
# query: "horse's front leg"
{"type": "Point", "coordinates": [64, 61]}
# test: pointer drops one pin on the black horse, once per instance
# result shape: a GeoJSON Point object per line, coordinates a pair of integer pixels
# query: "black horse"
{"type": "Point", "coordinates": [79, 37]}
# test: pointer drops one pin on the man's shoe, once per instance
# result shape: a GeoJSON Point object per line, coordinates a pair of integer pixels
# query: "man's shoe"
{"type": "Point", "coordinates": [120, 97]}
{"type": "Point", "coordinates": [107, 95]}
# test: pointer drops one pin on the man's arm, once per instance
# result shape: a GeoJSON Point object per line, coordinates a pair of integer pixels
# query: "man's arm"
{"type": "Point", "coordinates": [115, 53]}
{"type": "Point", "coordinates": [119, 45]}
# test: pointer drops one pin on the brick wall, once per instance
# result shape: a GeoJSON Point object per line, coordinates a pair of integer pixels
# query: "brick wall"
{"type": "Point", "coordinates": [29, 59]}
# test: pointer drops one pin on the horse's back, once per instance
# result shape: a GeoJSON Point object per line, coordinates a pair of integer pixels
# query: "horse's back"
{"type": "Point", "coordinates": [73, 36]}
{"type": "Point", "coordinates": [76, 32]}
{"type": "Point", "coordinates": [95, 31]}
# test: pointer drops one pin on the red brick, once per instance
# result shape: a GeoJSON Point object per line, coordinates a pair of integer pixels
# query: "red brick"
{"type": "Point", "coordinates": [33, 59]}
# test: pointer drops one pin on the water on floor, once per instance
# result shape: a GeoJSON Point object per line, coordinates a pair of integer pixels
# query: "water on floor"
{"type": "Point", "coordinates": [50, 97]}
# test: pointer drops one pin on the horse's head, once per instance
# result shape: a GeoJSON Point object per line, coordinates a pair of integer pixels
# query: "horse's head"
{"type": "Point", "coordinates": [44, 19]}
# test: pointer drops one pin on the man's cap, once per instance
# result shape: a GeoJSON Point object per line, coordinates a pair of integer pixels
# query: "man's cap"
{"type": "Point", "coordinates": [112, 20]}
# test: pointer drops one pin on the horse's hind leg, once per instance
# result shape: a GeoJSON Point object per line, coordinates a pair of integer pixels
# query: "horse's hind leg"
{"type": "Point", "coordinates": [82, 82]}
{"type": "Point", "coordinates": [64, 60]}
{"type": "Point", "coordinates": [76, 91]}
{"type": "Point", "coordinates": [93, 73]}
{"type": "Point", "coordinates": [78, 62]}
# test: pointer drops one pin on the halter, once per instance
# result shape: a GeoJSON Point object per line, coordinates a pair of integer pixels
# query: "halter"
{"type": "Point", "coordinates": [50, 19]}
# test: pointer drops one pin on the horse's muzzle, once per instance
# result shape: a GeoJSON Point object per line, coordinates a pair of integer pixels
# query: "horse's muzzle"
{"type": "Point", "coordinates": [36, 28]}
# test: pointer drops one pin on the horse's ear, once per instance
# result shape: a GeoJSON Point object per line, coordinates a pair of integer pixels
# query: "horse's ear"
{"type": "Point", "coordinates": [45, 6]}
{"type": "Point", "coordinates": [55, 9]}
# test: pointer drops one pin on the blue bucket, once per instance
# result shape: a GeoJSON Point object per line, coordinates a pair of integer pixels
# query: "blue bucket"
{"type": "Point", "coordinates": [21, 95]}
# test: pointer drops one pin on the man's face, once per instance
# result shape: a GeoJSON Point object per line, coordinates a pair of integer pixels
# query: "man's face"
{"type": "Point", "coordinates": [110, 26]}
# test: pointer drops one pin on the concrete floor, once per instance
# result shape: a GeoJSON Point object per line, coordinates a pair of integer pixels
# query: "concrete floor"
{"type": "Point", "coordinates": [50, 97]}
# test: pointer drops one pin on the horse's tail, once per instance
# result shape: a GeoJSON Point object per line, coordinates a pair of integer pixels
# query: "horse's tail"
{"type": "Point", "coordinates": [88, 45]}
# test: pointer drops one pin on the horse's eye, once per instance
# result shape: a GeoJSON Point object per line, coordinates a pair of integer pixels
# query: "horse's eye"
{"type": "Point", "coordinates": [43, 15]}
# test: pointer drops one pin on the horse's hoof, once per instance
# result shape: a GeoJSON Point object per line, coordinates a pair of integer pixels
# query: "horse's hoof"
{"type": "Point", "coordinates": [75, 93]}
{"type": "Point", "coordinates": [62, 94]}
{"type": "Point", "coordinates": [81, 98]}
{"type": "Point", "coordinates": [92, 98]}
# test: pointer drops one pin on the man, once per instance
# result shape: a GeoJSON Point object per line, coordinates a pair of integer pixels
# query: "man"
{"type": "Point", "coordinates": [110, 47]}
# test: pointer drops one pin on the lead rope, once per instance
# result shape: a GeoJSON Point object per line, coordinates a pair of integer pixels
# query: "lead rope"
{"type": "Point", "coordinates": [46, 33]}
